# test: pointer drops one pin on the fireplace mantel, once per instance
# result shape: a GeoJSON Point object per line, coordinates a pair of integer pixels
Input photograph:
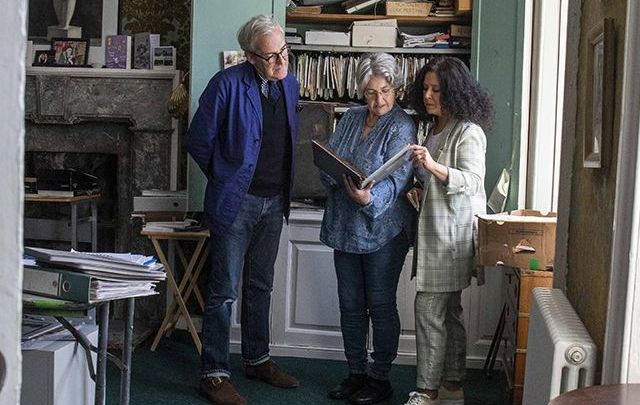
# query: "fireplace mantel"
{"type": "Point", "coordinates": [134, 97]}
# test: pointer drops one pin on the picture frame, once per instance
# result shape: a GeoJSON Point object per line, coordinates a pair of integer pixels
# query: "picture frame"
{"type": "Point", "coordinates": [97, 18]}
{"type": "Point", "coordinates": [163, 58]}
{"type": "Point", "coordinates": [44, 58]}
{"type": "Point", "coordinates": [70, 52]}
{"type": "Point", "coordinates": [598, 122]}
{"type": "Point", "coordinates": [232, 58]}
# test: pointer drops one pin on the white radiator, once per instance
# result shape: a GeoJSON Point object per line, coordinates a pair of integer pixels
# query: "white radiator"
{"type": "Point", "coordinates": [561, 356]}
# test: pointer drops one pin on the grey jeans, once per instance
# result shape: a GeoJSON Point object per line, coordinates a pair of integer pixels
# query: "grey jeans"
{"type": "Point", "coordinates": [441, 339]}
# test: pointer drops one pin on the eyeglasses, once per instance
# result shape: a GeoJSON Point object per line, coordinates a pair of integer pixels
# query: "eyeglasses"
{"type": "Point", "coordinates": [271, 58]}
{"type": "Point", "coordinates": [384, 92]}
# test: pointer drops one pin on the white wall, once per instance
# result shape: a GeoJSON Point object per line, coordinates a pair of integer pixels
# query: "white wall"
{"type": "Point", "coordinates": [12, 47]}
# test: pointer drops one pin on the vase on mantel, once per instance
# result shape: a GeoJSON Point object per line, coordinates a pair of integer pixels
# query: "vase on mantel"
{"type": "Point", "coordinates": [64, 12]}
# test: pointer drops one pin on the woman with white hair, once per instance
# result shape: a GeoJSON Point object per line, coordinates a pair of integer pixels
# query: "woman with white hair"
{"type": "Point", "coordinates": [369, 229]}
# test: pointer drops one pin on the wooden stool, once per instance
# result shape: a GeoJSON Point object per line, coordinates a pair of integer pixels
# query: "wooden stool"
{"type": "Point", "coordinates": [614, 394]}
{"type": "Point", "coordinates": [188, 282]}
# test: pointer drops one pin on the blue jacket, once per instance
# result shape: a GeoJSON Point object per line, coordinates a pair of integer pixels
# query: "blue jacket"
{"type": "Point", "coordinates": [225, 135]}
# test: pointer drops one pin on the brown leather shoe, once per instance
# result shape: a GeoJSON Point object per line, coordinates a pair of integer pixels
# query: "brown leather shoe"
{"type": "Point", "coordinates": [270, 373]}
{"type": "Point", "coordinates": [220, 391]}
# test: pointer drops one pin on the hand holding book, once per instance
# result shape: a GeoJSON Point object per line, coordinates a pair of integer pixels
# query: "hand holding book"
{"type": "Point", "coordinates": [336, 167]}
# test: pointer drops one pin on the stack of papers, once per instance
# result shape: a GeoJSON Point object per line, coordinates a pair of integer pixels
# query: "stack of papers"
{"type": "Point", "coordinates": [89, 277]}
{"type": "Point", "coordinates": [170, 226]}
{"type": "Point", "coordinates": [433, 40]}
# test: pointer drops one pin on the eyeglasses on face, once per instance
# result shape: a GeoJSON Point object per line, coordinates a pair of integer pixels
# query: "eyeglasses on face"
{"type": "Point", "coordinates": [271, 58]}
{"type": "Point", "coordinates": [384, 92]}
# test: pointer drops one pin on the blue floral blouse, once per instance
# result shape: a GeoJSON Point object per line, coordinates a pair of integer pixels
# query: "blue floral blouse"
{"type": "Point", "coordinates": [348, 226]}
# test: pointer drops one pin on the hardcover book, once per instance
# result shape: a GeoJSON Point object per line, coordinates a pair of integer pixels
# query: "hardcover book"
{"type": "Point", "coordinates": [118, 52]}
{"type": "Point", "coordinates": [143, 44]}
{"type": "Point", "coordinates": [336, 167]}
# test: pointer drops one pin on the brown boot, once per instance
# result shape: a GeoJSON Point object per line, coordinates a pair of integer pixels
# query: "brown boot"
{"type": "Point", "coordinates": [220, 391]}
{"type": "Point", "coordinates": [270, 373]}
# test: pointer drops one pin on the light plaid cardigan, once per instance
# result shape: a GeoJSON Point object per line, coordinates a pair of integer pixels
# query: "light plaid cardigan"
{"type": "Point", "coordinates": [444, 250]}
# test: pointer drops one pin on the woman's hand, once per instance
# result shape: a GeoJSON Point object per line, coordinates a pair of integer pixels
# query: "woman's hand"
{"type": "Point", "coordinates": [361, 196]}
{"type": "Point", "coordinates": [415, 197]}
{"type": "Point", "coordinates": [420, 157]}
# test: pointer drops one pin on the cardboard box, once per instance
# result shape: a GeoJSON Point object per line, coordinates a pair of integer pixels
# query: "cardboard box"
{"type": "Point", "coordinates": [375, 33]}
{"type": "Point", "coordinates": [522, 238]}
{"type": "Point", "coordinates": [464, 5]}
{"type": "Point", "coordinates": [408, 8]}
{"type": "Point", "coordinates": [319, 37]}
{"type": "Point", "coordinates": [460, 31]}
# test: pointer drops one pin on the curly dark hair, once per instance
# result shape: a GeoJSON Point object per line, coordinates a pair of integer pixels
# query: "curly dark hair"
{"type": "Point", "coordinates": [460, 94]}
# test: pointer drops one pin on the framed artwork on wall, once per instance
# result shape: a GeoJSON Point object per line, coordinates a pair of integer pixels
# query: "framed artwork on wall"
{"type": "Point", "coordinates": [598, 123]}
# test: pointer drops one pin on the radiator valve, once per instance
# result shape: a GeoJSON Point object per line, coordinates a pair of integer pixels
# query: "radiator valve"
{"type": "Point", "coordinates": [575, 355]}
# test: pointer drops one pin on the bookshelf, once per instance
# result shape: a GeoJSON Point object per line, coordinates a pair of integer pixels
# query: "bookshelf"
{"type": "Point", "coordinates": [309, 62]}
{"type": "Point", "coordinates": [299, 18]}
{"type": "Point", "coordinates": [357, 49]}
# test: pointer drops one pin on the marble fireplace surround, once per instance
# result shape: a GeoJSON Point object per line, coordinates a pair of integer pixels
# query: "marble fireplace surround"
{"type": "Point", "coordinates": [121, 112]}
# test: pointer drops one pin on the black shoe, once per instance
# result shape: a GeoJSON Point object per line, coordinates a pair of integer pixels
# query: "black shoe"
{"type": "Point", "coordinates": [373, 392]}
{"type": "Point", "coordinates": [348, 386]}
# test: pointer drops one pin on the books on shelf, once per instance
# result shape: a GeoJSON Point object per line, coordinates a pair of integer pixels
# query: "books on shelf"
{"type": "Point", "coordinates": [336, 167]}
{"type": "Point", "coordinates": [117, 52]}
{"type": "Point", "coordinates": [143, 44]}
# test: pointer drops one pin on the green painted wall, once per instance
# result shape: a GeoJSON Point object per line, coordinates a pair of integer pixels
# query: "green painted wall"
{"type": "Point", "coordinates": [496, 59]}
{"type": "Point", "coordinates": [215, 24]}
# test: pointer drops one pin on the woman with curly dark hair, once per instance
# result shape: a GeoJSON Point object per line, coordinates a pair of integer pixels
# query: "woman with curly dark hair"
{"type": "Point", "coordinates": [449, 164]}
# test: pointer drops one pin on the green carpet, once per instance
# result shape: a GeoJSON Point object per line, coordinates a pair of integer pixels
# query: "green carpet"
{"type": "Point", "coordinates": [170, 376]}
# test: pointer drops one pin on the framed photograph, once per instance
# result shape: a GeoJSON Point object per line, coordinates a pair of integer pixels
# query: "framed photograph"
{"type": "Point", "coordinates": [70, 52]}
{"type": "Point", "coordinates": [598, 128]}
{"type": "Point", "coordinates": [96, 18]}
{"type": "Point", "coordinates": [232, 58]}
{"type": "Point", "coordinates": [164, 57]}
{"type": "Point", "coordinates": [44, 58]}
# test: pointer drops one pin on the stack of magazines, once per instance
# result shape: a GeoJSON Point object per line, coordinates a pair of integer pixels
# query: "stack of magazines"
{"type": "Point", "coordinates": [89, 277]}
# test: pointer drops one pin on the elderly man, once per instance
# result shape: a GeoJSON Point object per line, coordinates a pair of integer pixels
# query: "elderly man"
{"type": "Point", "coordinates": [242, 137]}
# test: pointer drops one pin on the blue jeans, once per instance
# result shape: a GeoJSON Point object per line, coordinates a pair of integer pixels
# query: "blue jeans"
{"type": "Point", "coordinates": [367, 285]}
{"type": "Point", "coordinates": [248, 250]}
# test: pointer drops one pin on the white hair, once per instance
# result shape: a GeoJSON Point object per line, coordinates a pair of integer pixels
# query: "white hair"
{"type": "Point", "coordinates": [255, 28]}
{"type": "Point", "coordinates": [377, 64]}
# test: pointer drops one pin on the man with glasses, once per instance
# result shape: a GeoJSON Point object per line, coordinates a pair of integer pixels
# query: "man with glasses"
{"type": "Point", "coordinates": [242, 137]}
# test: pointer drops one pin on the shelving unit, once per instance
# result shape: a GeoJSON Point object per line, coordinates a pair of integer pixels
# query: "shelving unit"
{"type": "Point", "coordinates": [357, 49]}
{"type": "Point", "coordinates": [314, 74]}
{"type": "Point", "coordinates": [298, 18]}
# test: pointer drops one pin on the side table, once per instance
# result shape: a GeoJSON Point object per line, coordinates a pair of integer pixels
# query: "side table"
{"type": "Point", "coordinates": [188, 282]}
{"type": "Point", "coordinates": [74, 202]}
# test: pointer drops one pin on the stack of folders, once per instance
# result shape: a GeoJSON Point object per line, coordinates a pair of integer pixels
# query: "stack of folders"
{"type": "Point", "coordinates": [89, 277]}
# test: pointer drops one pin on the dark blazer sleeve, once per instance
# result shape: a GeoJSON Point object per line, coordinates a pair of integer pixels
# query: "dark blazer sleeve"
{"type": "Point", "coordinates": [206, 123]}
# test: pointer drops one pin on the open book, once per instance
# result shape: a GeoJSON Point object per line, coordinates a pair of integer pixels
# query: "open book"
{"type": "Point", "coordinates": [335, 166]}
